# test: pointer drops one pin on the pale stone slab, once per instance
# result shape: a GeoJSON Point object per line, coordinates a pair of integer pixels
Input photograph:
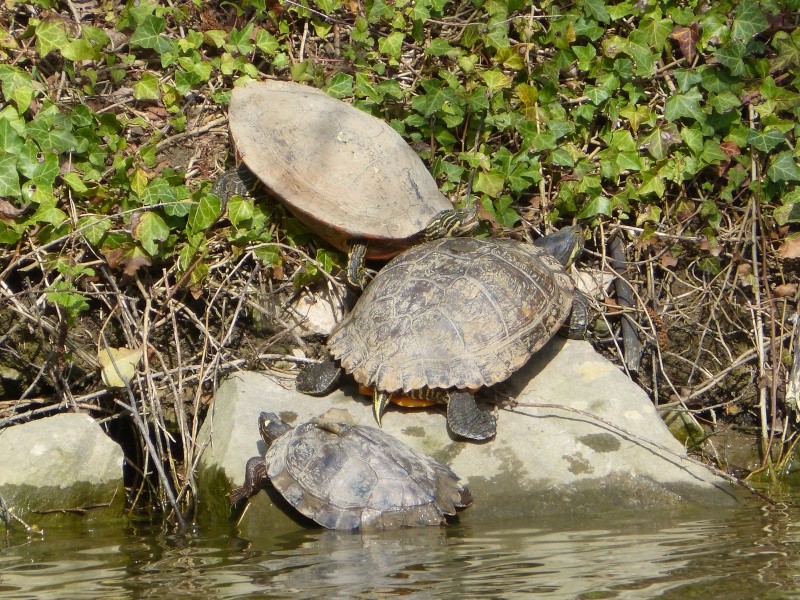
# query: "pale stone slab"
{"type": "Point", "coordinates": [598, 445]}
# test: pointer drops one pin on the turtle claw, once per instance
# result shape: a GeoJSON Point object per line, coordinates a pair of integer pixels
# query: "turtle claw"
{"type": "Point", "coordinates": [380, 400]}
{"type": "Point", "coordinates": [466, 420]}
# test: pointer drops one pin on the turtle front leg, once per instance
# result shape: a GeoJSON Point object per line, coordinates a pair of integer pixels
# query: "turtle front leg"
{"type": "Point", "coordinates": [236, 181]}
{"type": "Point", "coordinates": [255, 477]}
{"type": "Point", "coordinates": [358, 275]}
{"type": "Point", "coordinates": [579, 318]}
{"type": "Point", "coordinates": [466, 420]}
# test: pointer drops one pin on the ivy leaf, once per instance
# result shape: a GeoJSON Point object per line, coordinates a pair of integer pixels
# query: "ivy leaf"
{"type": "Point", "coordinates": [637, 48]}
{"type": "Point", "coordinates": [732, 56]}
{"type": "Point", "coordinates": [149, 228]}
{"type": "Point", "coordinates": [496, 80]}
{"type": "Point", "coordinates": [437, 94]}
{"type": "Point", "coordinates": [656, 32]}
{"type": "Point", "coordinates": [599, 205]}
{"type": "Point", "coordinates": [439, 47]}
{"type": "Point", "coordinates": [787, 48]}
{"type": "Point", "coordinates": [75, 182]}
{"type": "Point", "coordinates": [240, 211]}
{"type": "Point", "coordinates": [789, 211]}
{"type": "Point", "coordinates": [205, 213]}
{"type": "Point", "coordinates": [147, 87]}
{"type": "Point", "coordinates": [713, 153]}
{"type": "Point", "coordinates": [652, 184]}
{"type": "Point", "coordinates": [148, 35]}
{"type": "Point", "coordinates": [10, 140]}
{"type": "Point", "coordinates": [597, 9]}
{"type": "Point", "coordinates": [341, 86]}
{"type": "Point", "coordinates": [749, 21]}
{"type": "Point", "coordinates": [685, 105]}
{"type": "Point", "coordinates": [50, 35]}
{"type": "Point", "coordinates": [9, 178]}
{"type": "Point", "coordinates": [765, 141]}
{"type": "Point", "coordinates": [392, 44]}
{"type": "Point", "coordinates": [490, 183]}
{"type": "Point", "coordinates": [783, 167]}
{"type": "Point", "coordinates": [94, 228]}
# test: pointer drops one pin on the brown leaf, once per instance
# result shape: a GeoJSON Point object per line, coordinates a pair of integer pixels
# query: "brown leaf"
{"type": "Point", "coordinates": [730, 148]}
{"type": "Point", "coordinates": [790, 248]}
{"type": "Point", "coordinates": [9, 212]}
{"type": "Point", "coordinates": [743, 270]}
{"type": "Point", "coordinates": [668, 261]}
{"type": "Point", "coordinates": [687, 37]}
{"type": "Point", "coordinates": [485, 215]}
{"type": "Point", "coordinates": [785, 289]}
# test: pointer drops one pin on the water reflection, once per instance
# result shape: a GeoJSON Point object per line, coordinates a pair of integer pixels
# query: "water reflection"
{"type": "Point", "coordinates": [744, 554]}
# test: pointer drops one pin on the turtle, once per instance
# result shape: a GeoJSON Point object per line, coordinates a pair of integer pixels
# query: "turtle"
{"type": "Point", "coordinates": [450, 316]}
{"type": "Point", "coordinates": [348, 176]}
{"type": "Point", "coordinates": [351, 477]}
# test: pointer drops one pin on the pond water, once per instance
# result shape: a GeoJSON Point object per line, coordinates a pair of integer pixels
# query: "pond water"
{"type": "Point", "coordinates": [750, 552]}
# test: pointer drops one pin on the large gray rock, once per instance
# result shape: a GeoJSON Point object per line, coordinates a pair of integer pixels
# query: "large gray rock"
{"type": "Point", "coordinates": [60, 468]}
{"type": "Point", "coordinates": [581, 438]}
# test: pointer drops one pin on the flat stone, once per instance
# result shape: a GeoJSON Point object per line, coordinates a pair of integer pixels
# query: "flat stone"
{"type": "Point", "coordinates": [581, 438]}
{"type": "Point", "coordinates": [59, 468]}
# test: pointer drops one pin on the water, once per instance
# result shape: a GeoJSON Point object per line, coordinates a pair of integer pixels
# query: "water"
{"type": "Point", "coordinates": [751, 552]}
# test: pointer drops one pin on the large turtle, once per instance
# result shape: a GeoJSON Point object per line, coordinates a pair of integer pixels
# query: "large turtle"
{"type": "Point", "coordinates": [347, 476]}
{"type": "Point", "coordinates": [453, 315]}
{"type": "Point", "coordinates": [348, 176]}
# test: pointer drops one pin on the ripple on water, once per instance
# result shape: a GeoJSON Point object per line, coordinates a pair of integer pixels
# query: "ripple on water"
{"type": "Point", "coordinates": [745, 554]}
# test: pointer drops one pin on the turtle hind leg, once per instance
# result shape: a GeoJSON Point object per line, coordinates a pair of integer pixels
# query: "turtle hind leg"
{"type": "Point", "coordinates": [466, 420]}
{"type": "Point", "coordinates": [318, 379]}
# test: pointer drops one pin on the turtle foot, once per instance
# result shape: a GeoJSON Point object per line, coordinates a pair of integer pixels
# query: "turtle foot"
{"type": "Point", "coordinates": [466, 420]}
{"type": "Point", "coordinates": [318, 379]}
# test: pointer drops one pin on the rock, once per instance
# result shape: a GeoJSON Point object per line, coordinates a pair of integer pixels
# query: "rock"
{"type": "Point", "coordinates": [60, 468]}
{"type": "Point", "coordinates": [315, 311]}
{"type": "Point", "coordinates": [582, 438]}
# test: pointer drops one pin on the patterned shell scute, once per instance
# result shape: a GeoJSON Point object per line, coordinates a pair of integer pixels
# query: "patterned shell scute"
{"type": "Point", "coordinates": [453, 313]}
{"type": "Point", "coordinates": [357, 477]}
{"type": "Point", "coordinates": [341, 171]}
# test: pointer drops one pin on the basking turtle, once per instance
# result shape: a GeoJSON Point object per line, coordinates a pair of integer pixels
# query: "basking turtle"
{"type": "Point", "coordinates": [346, 476]}
{"type": "Point", "coordinates": [453, 315]}
{"type": "Point", "coordinates": [348, 176]}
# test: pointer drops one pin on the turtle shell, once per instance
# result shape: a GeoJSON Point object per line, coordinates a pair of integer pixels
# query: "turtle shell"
{"type": "Point", "coordinates": [342, 172]}
{"type": "Point", "coordinates": [453, 313]}
{"type": "Point", "coordinates": [358, 477]}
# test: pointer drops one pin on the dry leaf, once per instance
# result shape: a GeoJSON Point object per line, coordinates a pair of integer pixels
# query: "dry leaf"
{"type": "Point", "coordinates": [790, 248]}
{"type": "Point", "coordinates": [668, 261]}
{"type": "Point", "coordinates": [744, 270]}
{"type": "Point", "coordinates": [118, 365]}
{"type": "Point", "coordinates": [687, 37]}
{"type": "Point", "coordinates": [785, 289]}
{"type": "Point", "coordinates": [9, 212]}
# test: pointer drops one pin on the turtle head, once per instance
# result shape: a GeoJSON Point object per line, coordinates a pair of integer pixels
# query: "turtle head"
{"type": "Point", "coordinates": [453, 223]}
{"type": "Point", "coordinates": [565, 244]}
{"type": "Point", "coordinates": [271, 427]}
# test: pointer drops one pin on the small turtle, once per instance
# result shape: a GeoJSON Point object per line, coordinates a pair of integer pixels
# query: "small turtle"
{"type": "Point", "coordinates": [347, 476]}
{"type": "Point", "coordinates": [348, 176]}
{"type": "Point", "coordinates": [453, 315]}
